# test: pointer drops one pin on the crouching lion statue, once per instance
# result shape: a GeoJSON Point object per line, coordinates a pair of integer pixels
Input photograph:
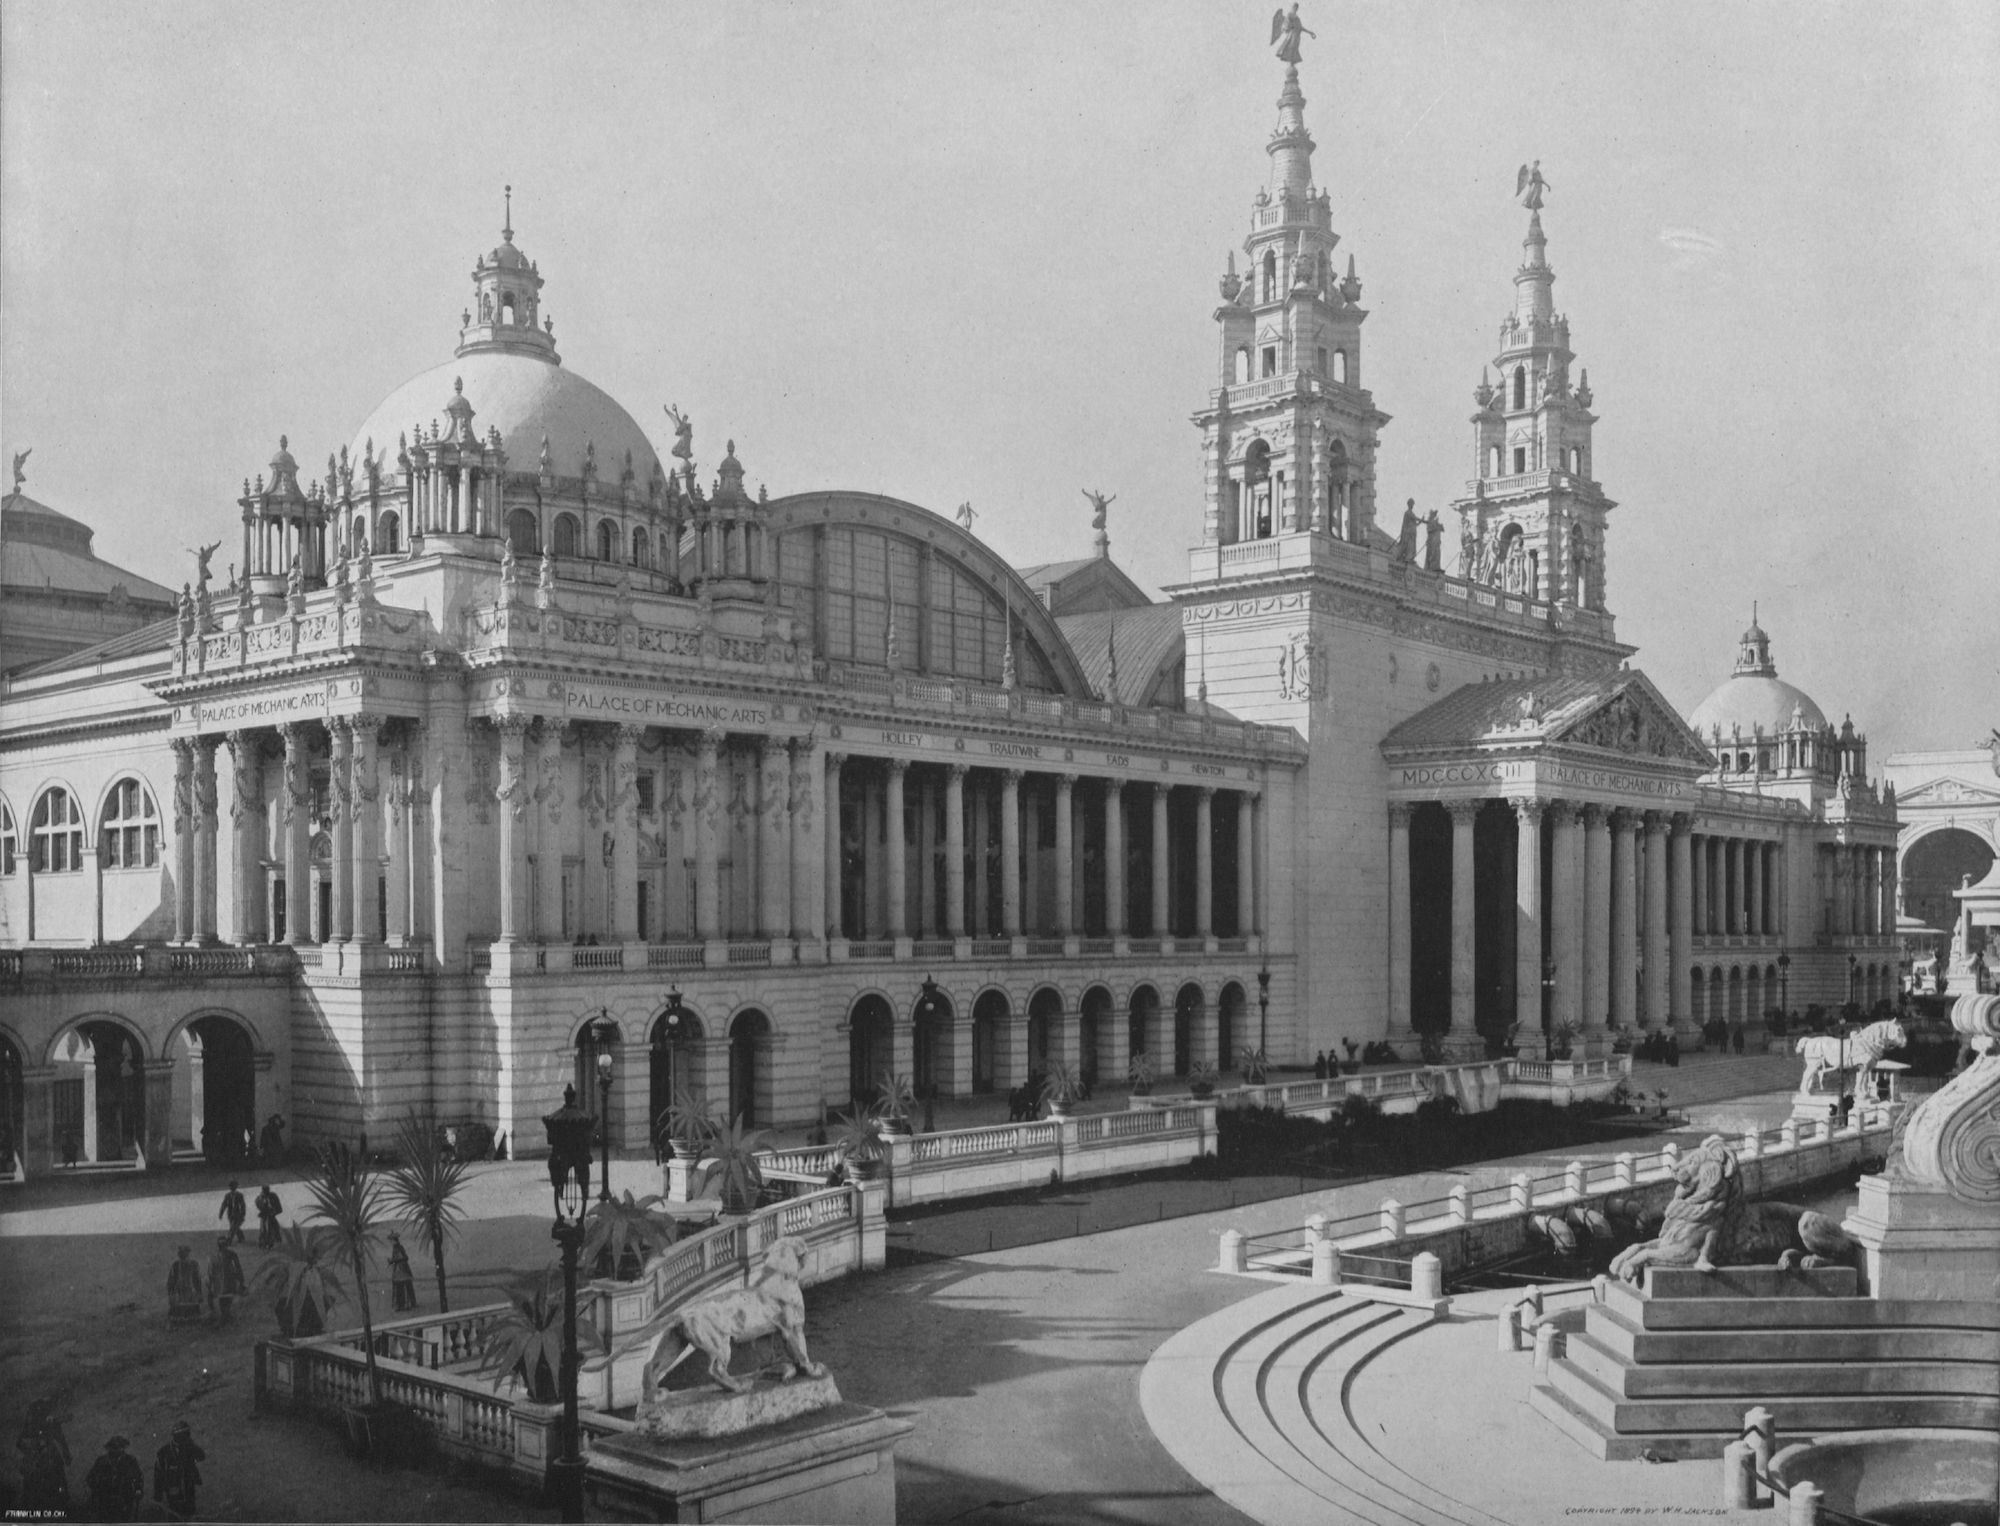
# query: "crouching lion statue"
{"type": "Point", "coordinates": [1709, 1223]}
{"type": "Point", "coordinates": [771, 1305]}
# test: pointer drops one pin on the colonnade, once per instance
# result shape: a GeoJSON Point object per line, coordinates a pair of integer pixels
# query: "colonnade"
{"type": "Point", "coordinates": [1008, 852]}
{"type": "Point", "coordinates": [1857, 889]}
{"type": "Point", "coordinates": [1738, 887]}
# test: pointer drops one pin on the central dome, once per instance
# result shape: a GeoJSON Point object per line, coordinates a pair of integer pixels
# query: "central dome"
{"type": "Point", "coordinates": [527, 399]}
{"type": "Point", "coordinates": [1754, 698]}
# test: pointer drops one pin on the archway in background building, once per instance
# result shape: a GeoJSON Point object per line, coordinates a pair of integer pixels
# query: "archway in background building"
{"type": "Point", "coordinates": [1094, 1032]}
{"type": "Point", "coordinates": [1045, 1012]}
{"type": "Point", "coordinates": [750, 1068]}
{"type": "Point", "coordinates": [990, 1015]}
{"type": "Point", "coordinates": [590, 1044]}
{"type": "Point", "coordinates": [1141, 1017]}
{"type": "Point", "coordinates": [1190, 1007]}
{"type": "Point", "coordinates": [1230, 1008]}
{"type": "Point", "coordinates": [1936, 865]}
{"type": "Point", "coordinates": [870, 1048]}
{"type": "Point", "coordinates": [12, 1119]}
{"type": "Point", "coordinates": [221, 1057]}
{"type": "Point", "coordinates": [99, 1093]}
{"type": "Point", "coordinates": [932, 1035]}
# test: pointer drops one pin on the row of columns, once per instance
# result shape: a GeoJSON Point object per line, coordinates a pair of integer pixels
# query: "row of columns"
{"type": "Point", "coordinates": [1738, 887]}
{"type": "Point", "coordinates": [1618, 908]}
{"type": "Point", "coordinates": [1068, 877]}
{"type": "Point", "coordinates": [1857, 886]}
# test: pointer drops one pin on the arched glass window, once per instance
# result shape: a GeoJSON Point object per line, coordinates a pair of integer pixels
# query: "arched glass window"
{"type": "Point", "coordinates": [55, 834]}
{"type": "Point", "coordinates": [1340, 366]}
{"type": "Point", "coordinates": [388, 534]}
{"type": "Point", "coordinates": [642, 549]}
{"type": "Point", "coordinates": [507, 308]}
{"type": "Point", "coordinates": [9, 843]}
{"type": "Point", "coordinates": [1257, 482]}
{"type": "Point", "coordinates": [566, 536]}
{"type": "Point", "coordinates": [1270, 276]}
{"type": "Point", "coordinates": [1576, 460]}
{"type": "Point", "coordinates": [607, 541]}
{"type": "Point", "coordinates": [523, 534]}
{"type": "Point", "coordinates": [1520, 386]}
{"type": "Point", "coordinates": [129, 835]}
{"type": "Point", "coordinates": [1243, 362]}
{"type": "Point", "coordinates": [358, 529]}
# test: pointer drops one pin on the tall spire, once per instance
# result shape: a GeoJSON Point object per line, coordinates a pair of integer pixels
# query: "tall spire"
{"type": "Point", "coordinates": [507, 222]}
{"type": "Point", "coordinates": [1534, 299]}
{"type": "Point", "coordinates": [1291, 146]}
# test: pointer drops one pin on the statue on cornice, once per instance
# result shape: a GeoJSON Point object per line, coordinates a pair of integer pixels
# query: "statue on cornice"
{"type": "Point", "coordinates": [1433, 542]}
{"type": "Point", "coordinates": [683, 435]}
{"type": "Point", "coordinates": [1406, 540]}
{"type": "Point", "coordinates": [1286, 30]}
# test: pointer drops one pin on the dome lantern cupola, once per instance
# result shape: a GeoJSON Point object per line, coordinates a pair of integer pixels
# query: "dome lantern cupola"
{"type": "Point", "coordinates": [1753, 651]}
{"type": "Point", "coordinates": [506, 302]}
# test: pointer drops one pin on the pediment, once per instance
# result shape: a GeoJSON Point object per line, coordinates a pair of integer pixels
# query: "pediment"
{"type": "Point", "coordinates": [1635, 722]}
{"type": "Point", "coordinates": [1950, 791]}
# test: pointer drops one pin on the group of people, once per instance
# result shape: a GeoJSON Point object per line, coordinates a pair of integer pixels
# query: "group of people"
{"type": "Point", "coordinates": [115, 1483]}
{"type": "Point", "coordinates": [193, 1297]}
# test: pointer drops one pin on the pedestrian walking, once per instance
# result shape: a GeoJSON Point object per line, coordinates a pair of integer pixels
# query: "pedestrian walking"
{"type": "Point", "coordinates": [177, 1472]}
{"type": "Point", "coordinates": [402, 1281]}
{"type": "Point", "coordinates": [226, 1282]}
{"type": "Point", "coordinates": [70, 1145]}
{"type": "Point", "coordinates": [44, 1460]}
{"type": "Point", "coordinates": [271, 1139]}
{"type": "Point", "coordinates": [268, 1209]}
{"type": "Point", "coordinates": [234, 1209]}
{"type": "Point", "coordinates": [116, 1483]}
{"type": "Point", "coordinates": [1736, 1037]}
{"type": "Point", "coordinates": [184, 1301]}
{"type": "Point", "coordinates": [1673, 1047]}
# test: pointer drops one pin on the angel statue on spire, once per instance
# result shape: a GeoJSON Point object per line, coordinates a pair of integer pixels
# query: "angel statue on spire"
{"type": "Point", "coordinates": [683, 434]}
{"type": "Point", "coordinates": [1530, 187]}
{"type": "Point", "coordinates": [1101, 505]}
{"type": "Point", "coordinates": [1285, 32]}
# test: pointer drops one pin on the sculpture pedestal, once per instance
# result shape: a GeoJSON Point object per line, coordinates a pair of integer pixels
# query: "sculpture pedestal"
{"type": "Point", "coordinates": [802, 1455]}
{"type": "Point", "coordinates": [1921, 1242]}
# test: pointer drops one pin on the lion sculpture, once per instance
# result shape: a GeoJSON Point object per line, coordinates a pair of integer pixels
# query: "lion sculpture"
{"type": "Point", "coordinates": [772, 1304]}
{"type": "Point", "coordinates": [1826, 1051]}
{"type": "Point", "coordinates": [1710, 1223]}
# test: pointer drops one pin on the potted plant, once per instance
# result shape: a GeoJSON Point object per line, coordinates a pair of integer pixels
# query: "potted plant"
{"type": "Point", "coordinates": [1256, 1067]}
{"type": "Point", "coordinates": [1140, 1072]}
{"type": "Point", "coordinates": [734, 1173]}
{"type": "Point", "coordinates": [526, 1342]}
{"type": "Point", "coordinates": [1061, 1086]}
{"type": "Point", "coordinates": [859, 1137]}
{"type": "Point", "coordinates": [688, 1124]}
{"type": "Point", "coordinates": [623, 1233]}
{"type": "Point", "coordinates": [894, 1105]}
{"type": "Point", "coordinates": [302, 1279]}
{"type": "Point", "coordinates": [1562, 1041]}
{"type": "Point", "coordinates": [1202, 1076]}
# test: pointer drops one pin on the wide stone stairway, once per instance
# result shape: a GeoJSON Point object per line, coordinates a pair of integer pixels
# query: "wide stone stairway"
{"type": "Point", "coordinates": [1672, 1370]}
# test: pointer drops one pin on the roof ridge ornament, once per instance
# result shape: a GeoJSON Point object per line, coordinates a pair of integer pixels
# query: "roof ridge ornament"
{"type": "Point", "coordinates": [507, 222]}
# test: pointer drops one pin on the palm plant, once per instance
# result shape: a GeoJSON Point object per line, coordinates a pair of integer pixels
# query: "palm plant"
{"type": "Point", "coordinates": [424, 1192]}
{"type": "Point", "coordinates": [346, 1195]}
{"type": "Point", "coordinates": [1202, 1076]}
{"type": "Point", "coordinates": [690, 1122]}
{"type": "Point", "coordinates": [1061, 1085]}
{"type": "Point", "coordinates": [1140, 1071]}
{"type": "Point", "coordinates": [1256, 1066]}
{"type": "Point", "coordinates": [526, 1342]}
{"type": "Point", "coordinates": [859, 1136]}
{"type": "Point", "coordinates": [893, 1106]}
{"type": "Point", "coordinates": [302, 1279]}
{"type": "Point", "coordinates": [623, 1227]}
{"type": "Point", "coordinates": [735, 1170]}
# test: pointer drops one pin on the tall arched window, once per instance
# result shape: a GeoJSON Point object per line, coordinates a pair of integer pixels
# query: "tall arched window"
{"type": "Point", "coordinates": [356, 531]}
{"type": "Point", "coordinates": [388, 534]}
{"type": "Point", "coordinates": [1243, 362]}
{"type": "Point", "coordinates": [1340, 366]}
{"type": "Point", "coordinates": [1257, 483]}
{"type": "Point", "coordinates": [1336, 489]}
{"type": "Point", "coordinates": [523, 534]}
{"type": "Point", "coordinates": [9, 843]}
{"type": "Point", "coordinates": [642, 549]}
{"type": "Point", "coordinates": [55, 834]}
{"type": "Point", "coordinates": [1270, 276]}
{"type": "Point", "coordinates": [567, 536]}
{"type": "Point", "coordinates": [1576, 460]}
{"type": "Point", "coordinates": [129, 835]}
{"type": "Point", "coordinates": [1520, 386]}
{"type": "Point", "coordinates": [607, 541]}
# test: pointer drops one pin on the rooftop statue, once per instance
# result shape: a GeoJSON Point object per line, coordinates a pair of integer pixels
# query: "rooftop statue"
{"type": "Point", "coordinates": [683, 435]}
{"type": "Point", "coordinates": [965, 514]}
{"type": "Point", "coordinates": [1101, 504]}
{"type": "Point", "coordinates": [1530, 186]}
{"type": "Point", "coordinates": [1406, 540]}
{"type": "Point", "coordinates": [1286, 28]}
{"type": "Point", "coordinates": [21, 460]}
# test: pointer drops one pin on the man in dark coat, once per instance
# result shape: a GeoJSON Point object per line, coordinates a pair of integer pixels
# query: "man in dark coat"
{"type": "Point", "coordinates": [184, 1300]}
{"type": "Point", "coordinates": [116, 1483]}
{"type": "Point", "coordinates": [177, 1472]}
{"type": "Point", "coordinates": [226, 1282]}
{"type": "Point", "coordinates": [402, 1280]}
{"type": "Point", "coordinates": [44, 1460]}
{"type": "Point", "coordinates": [268, 1209]}
{"type": "Point", "coordinates": [235, 1210]}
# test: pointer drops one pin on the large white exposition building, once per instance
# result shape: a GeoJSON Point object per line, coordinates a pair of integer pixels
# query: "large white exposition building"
{"type": "Point", "coordinates": [509, 727]}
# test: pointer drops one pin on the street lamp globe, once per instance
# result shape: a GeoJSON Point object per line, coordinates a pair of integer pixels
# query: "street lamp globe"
{"type": "Point", "coordinates": [569, 1129]}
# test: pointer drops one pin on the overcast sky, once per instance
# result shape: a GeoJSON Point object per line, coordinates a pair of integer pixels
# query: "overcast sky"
{"type": "Point", "coordinates": [969, 251]}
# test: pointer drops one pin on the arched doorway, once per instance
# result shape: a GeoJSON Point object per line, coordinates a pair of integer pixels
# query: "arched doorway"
{"type": "Point", "coordinates": [931, 1029]}
{"type": "Point", "coordinates": [523, 533]}
{"type": "Point", "coordinates": [673, 1059]}
{"type": "Point", "coordinates": [600, 1038]}
{"type": "Point", "coordinates": [750, 1069]}
{"type": "Point", "coordinates": [98, 1097]}
{"type": "Point", "coordinates": [1934, 866]}
{"type": "Point", "coordinates": [1141, 1018]}
{"type": "Point", "coordinates": [215, 1088]}
{"type": "Point", "coordinates": [990, 1015]}
{"type": "Point", "coordinates": [1190, 1007]}
{"type": "Point", "coordinates": [1735, 993]}
{"type": "Point", "coordinates": [12, 1144]}
{"type": "Point", "coordinates": [1229, 1032]}
{"type": "Point", "coordinates": [871, 1028]}
{"type": "Point", "coordinates": [1094, 1031]}
{"type": "Point", "coordinates": [1045, 1013]}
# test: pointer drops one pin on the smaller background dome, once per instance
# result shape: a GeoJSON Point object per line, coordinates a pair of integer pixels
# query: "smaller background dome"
{"type": "Point", "coordinates": [1753, 700]}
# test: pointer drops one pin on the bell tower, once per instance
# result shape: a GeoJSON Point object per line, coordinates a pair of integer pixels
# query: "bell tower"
{"type": "Point", "coordinates": [1533, 519]}
{"type": "Point", "coordinates": [1289, 435]}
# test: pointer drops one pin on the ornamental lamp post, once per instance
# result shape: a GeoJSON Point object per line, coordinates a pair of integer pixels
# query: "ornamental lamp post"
{"type": "Point", "coordinates": [569, 1129]}
{"type": "Point", "coordinates": [1264, 1011]}
{"type": "Point", "coordinates": [603, 1034]}
{"type": "Point", "coordinates": [927, 1006]}
{"type": "Point", "coordinates": [1785, 985]}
